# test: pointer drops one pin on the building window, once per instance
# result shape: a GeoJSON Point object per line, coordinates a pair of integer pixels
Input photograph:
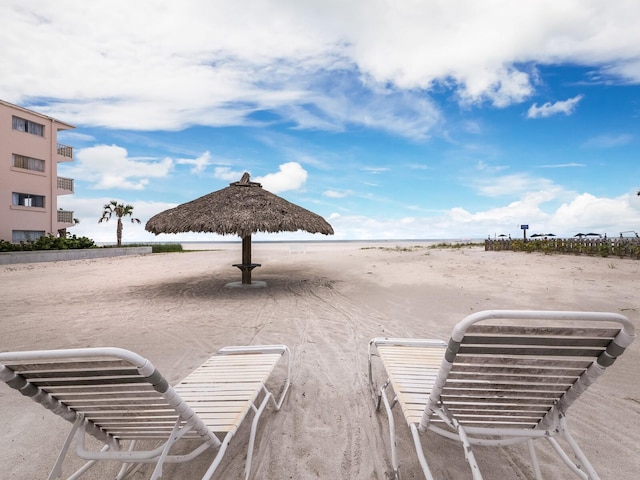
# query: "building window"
{"type": "Point", "coordinates": [28, 200]}
{"type": "Point", "coordinates": [18, 236]}
{"type": "Point", "coordinates": [22, 125]}
{"type": "Point", "coordinates": [28, 163]}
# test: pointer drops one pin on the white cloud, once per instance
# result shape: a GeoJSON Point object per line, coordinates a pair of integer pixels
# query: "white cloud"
{"type": "Point", "coordinates": [502, 87]}
{"type": "Point", "coordinates": [628, 69]}
{"type": "Point", "coordinates": [564, 165]}
{"type": "Point", "coordinates": [74, 137]}
{"type": "Point", "coordinates": [109, 166]}
{"type": "Point", "coordinates": [601, 215]}
{"type": "Point", "coordinates": [290, 176]}
{"type": "Point", "coordinates": [375, 170]}
{"type": "Point", "coordinates": [484, 167]}
{"type": "Point", "coordinates": [337, 193]}
{"type": "Point", "coordinates": [140, 70]}
{"type": "Point", "coordinates": [548, 109]}
{"type": "Point", "coordinates": [198, 164]}
{"type": "Point", "coordinates": [226, 173]}
{"type": "Point", "coordinates": [582, 213]}
{"type": "Point", "coordinates": [609, 141]}
{"type": "Point", "coordinates": [516, 184]}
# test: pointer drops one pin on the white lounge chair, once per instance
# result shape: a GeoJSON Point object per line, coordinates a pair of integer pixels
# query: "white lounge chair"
{"type": "Point", "coordinates": [505, 377]}
{"type": "Point", "coordinates": [119, 398]}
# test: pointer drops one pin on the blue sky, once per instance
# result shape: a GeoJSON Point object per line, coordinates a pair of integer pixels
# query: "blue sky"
{"type": "Point", "coordinates": [392, 120]}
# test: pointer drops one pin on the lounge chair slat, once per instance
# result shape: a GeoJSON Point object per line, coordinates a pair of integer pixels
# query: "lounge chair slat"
{"type": "Point", "coordinates": [92, 396]}
{"type": "Point", "coordinates": [537, 340]}
{"type": "Point", "coordinates": [520, 361]}
{"type": "Point", "coordinates": [462, 370]}
{"type": "Point", "coordinates": [555, 388]}
{"type": "Point", "coordinates": [513, 379]}
{"type": "Point", "coordinates": [527, 350]}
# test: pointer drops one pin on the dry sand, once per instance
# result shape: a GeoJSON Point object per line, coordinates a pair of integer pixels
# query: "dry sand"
{"type": "Point", "coordinates": [325, 304]}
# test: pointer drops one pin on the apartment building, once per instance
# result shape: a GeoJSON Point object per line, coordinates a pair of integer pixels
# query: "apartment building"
{"type": "Point", "coordinates": [29, 182]}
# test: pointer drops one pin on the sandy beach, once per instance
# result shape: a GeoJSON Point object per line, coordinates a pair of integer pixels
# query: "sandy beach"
{"type": "Point", "coordinates": [325, 301]}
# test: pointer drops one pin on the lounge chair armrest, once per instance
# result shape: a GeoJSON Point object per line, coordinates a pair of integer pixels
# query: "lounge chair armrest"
{"type": "Point", "coordinates": [234, 350]}
{"type": "Point", "coordinates": [407, 342]}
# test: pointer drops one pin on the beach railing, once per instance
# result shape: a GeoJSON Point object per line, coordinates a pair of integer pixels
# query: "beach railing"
{"type": "Point", "coordinates": [604, 247]}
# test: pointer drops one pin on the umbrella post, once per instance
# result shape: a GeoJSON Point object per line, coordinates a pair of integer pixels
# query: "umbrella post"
{"type": "Point", "coordinates": [246, 260]}
{"type": "Point", "coordinates": [246, 266]}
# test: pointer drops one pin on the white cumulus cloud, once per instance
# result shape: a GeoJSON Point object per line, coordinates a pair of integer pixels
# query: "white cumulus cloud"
{"type": "Point", "coordinates": [198, 165]}
{"type": "Point", "coordinates": [317, 63]}
{"type": "Point", "coordinates": [290, 176]}
{"type": "Point", "coordinates": [566, 107]}
{"type": "Point", "coordinates": [111, 167]}
{"type": "Point", "coordinates": [228, 174]}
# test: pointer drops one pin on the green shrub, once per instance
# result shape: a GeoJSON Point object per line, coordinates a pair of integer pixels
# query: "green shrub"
{"type": "Point", "coordinates": [155, 247]}
{"type": "Point", "coordinates": [48, 242]}
{"type": "Point", "coordinates": [166, 247]}
{"type": "Point", "coordinates": [6, 246]}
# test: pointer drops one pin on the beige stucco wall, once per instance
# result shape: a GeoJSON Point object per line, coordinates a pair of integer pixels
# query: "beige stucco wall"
{"type": "Point", "coordinates": [12, 179]}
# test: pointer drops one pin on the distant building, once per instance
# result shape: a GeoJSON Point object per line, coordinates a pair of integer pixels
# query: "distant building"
{"type": "Point", "coordinates": [29, 182]}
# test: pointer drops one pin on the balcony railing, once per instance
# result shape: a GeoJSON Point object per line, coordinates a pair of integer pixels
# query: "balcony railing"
{"type": "Point", "coordinates": [65, 184]}
{"type": "Point", "coordinates": [65, 151]}
{"type": "Point", "coordinates": [65, 216]}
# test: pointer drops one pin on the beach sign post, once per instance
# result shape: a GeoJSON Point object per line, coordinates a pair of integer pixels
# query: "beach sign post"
{"type": "Point", "coordinates": [524, 231]}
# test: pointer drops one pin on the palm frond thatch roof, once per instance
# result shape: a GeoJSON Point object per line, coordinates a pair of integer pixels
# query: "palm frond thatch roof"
{"type": "Point", "coordinates": [242, 208]}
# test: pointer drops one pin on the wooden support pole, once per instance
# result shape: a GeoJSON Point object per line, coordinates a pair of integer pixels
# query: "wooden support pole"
{"type": "Point", "coordinates": [246, 260]}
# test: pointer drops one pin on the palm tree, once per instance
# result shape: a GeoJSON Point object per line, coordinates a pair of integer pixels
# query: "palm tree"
{"type": "Point", "coordinates": [119, 210]}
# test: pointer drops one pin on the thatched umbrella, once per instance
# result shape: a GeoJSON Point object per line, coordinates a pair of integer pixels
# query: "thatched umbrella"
{"type": "Point", "coordinates": [242, 208]}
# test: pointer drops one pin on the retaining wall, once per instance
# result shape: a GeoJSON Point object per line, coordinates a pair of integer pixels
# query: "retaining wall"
{"type": "Point", "coordinates": [7, 258]}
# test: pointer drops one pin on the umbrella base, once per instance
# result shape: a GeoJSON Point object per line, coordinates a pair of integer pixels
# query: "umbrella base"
{"type": "Point", "coordinates": [253, 284]}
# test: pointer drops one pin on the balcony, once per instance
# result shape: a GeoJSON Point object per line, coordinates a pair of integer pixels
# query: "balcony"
{"type": "Point", "coordinates": [65, 186]}
{"type": "Point", "coordinates": [65, 217]}
{"type": "Point", "coordinates": [65, 153]}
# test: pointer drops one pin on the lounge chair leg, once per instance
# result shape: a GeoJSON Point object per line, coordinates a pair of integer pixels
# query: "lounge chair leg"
{"type": "Point", "coordinates": [468, 453]}
{"type": "Point", "coordinates": [218, 458]}
{"type": "Point", "coordinates": [421, 458]}
{"type": "Point", "coordinates": [56, 471]}
{"type": "Point", "coordinates": [287, 383]}
{"type": "Point", "coordinates": [128, 468]}
{"type": "Point", "coordinates": [450, 420]}
{"type": "Point", "coordinates": [565, 458]}
{"type": "Point", "coordinates": [377, 396]}
{"type": "Point", "coordinates": [252, 435]}
{"type": "Point", "coordinates": [392, 434]}
{"type": "Point", "coordinates": [582, 459]}
{"type": "Point", "coordinates": [534, 459]}
{"type": "Point", "coordinates": [157, 472]}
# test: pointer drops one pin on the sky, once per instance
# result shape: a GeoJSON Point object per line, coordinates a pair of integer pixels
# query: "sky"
{"type": "Point", "coordinates": [392, 119]}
